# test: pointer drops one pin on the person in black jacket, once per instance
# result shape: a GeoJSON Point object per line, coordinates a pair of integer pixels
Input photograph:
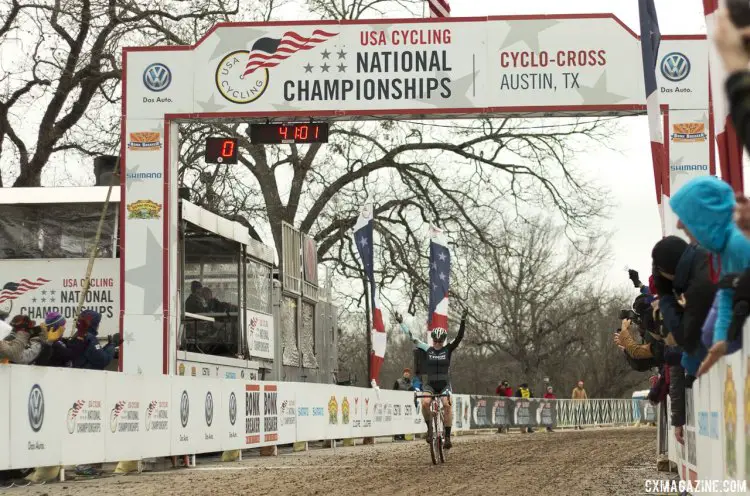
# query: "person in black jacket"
{"type": "Point", "coordinates": [681, 274]}
{"type": "Point", "coordinates": [686, 292]}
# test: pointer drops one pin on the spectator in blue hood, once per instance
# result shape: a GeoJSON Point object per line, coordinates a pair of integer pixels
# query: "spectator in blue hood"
{"type": "Point", "coordinates": [85, 346]}
{"type": "Point", "coordinates": [705, 207]}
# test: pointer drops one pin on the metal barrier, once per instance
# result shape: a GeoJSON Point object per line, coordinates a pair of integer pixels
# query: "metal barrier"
{"type": "Point", "coordinates": [571, 413]}
{"type": "Point", "coordinates": [496, 411]}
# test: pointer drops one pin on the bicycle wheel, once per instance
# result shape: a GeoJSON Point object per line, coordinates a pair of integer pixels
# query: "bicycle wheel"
{"type": "Point", "coordinates": [441, 437]}
{"type": "Point", "coordinates": [434, 443]}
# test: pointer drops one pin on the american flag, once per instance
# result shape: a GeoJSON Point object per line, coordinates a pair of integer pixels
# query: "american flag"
{"type": "Point", "coordinates": [269, 52]}
{"type": "Point", "coordinates": [650, 41]}
{"type": "Point", "coordinates": [13, 290]}
{"type": "Point", "coordinates": [363, 237]}
{"type": "Point", "coordinates": [729, 147]}
{"type": "Point", "coordinates": [440, 271]}
{"type": "Point", "coordinates": [439, 8]}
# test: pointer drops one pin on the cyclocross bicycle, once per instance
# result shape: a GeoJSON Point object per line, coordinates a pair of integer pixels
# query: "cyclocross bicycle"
{"type": "Point", "coordinates": [438, 427]}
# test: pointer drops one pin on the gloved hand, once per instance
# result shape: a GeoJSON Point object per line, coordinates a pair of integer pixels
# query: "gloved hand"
{"type": "Point", "coordinates": [115, 339]}
{"type": "Point", "coordinates": [633, 275]}
{"type": "Point", "coordinates": [399, 318]}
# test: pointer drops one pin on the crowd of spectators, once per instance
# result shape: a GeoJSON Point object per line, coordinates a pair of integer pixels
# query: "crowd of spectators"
{"type": "Point", "coordinates": [25, 342]}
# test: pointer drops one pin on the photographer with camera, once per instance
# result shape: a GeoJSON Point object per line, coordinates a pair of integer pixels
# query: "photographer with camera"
{"type": "Point", "coordinates": [649, 353]}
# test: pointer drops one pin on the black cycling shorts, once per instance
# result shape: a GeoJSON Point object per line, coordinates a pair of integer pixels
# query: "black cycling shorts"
{"type": "Point", "coordinates": [438, 387]}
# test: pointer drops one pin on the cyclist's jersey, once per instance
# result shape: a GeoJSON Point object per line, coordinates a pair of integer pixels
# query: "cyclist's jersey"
{"type": "Point", "coordinates": [436, 364]}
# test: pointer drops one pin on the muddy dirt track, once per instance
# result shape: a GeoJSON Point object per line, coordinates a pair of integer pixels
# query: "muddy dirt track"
{"type": "Point", "coordinates": [590, 462]}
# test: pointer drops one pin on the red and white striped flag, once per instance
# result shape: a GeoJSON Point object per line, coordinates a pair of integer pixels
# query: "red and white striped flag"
{"type": "Point", "coordinates": [13, 290]}
{"type": "Point", "coordinates": [439, 8]}
{"type": "Point", "coordinates": [729, 147]}
{"type": "Point", "coordinates": [650, 41]}
{"type": "Point", "coordinates": [269, 52]}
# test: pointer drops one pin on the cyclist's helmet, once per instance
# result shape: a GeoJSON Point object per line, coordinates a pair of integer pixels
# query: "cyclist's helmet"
{"type": "Point", "coordinates": [439, 334]}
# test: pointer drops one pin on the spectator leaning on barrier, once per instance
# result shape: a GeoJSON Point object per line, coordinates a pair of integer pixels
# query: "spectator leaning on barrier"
{"type": "Point", "coordinates": [55, 351]}
{"type": "Point", "coordinates": [705, 207]}
{"type": "Point", "coordinates": [682, 277]}
{"type": "Point", "coordinates": [403, 383]}
{"type": "Point", "coordinates": [525, 392]}
{"type": "Point", "coordinates": [503, 389]}
{"type": "Point", "coordinates": [85, 347]}
{"type": "Point", "coordinates": [23, 344]}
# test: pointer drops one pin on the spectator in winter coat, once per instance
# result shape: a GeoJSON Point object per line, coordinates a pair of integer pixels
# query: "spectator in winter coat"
{"type": "Point", "coordinates": [579, 394]}
{"type": "Point", "coordinates": [55, 351]}
{"type": "Point", "coordinates": [705, 207]}
{"type": "Point", "coordinates": [85, 347]}
{"type": "Point", "coordinates": [525, 393]}
{"type": "Point", "coordinates": [686, 293]}
{"type": "Point", "coordinates": [549, 395]}
{"type": "Point", "coordinates": [403, 383]}
{"type": "Point", "coordinates": [23, 344]}
{"type": "Point", "coordinates": [504, 389]}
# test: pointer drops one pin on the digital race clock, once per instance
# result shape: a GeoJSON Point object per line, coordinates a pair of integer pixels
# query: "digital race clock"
{"type": "Point", "coordinates": [275, 134]}
{"type": "Point", "coordinates": [221, 151]}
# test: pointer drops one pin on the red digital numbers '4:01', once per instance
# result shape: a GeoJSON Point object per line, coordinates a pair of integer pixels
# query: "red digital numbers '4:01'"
{"type": "Point", "coordinates": [221, 151]}
{"type": "Point", "coordinates": [277, 134]}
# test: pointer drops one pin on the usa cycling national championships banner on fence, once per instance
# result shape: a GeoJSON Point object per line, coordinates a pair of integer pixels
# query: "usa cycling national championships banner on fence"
{"type": "Point", "coordinates": [493, 411]}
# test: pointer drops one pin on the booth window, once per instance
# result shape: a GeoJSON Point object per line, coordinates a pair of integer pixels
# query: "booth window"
{"type": "Point", "coordinates": [56, 230]}
{"type": "Point", "coordinates": [211, 282]}
{"type": "Point", "coordinates": [258, 286]}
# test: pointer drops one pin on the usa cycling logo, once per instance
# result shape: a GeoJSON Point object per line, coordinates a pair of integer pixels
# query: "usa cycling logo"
{"type": "Point", "coordinates": [157, 77]}
{"type": "Point", "coordinates": [36, 408]}
{"type": "Point", "coordinates": [675, 67]}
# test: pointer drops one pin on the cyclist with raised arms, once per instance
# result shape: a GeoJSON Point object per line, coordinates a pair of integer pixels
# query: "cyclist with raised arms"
{"type": "Point", "coordinates": [436, 365]}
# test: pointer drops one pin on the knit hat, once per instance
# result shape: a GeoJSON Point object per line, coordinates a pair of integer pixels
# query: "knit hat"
{"type": "Point", "coordinates": [54, 320]}
{"type": "Point", "coordinates": [55, 324]}
{"type": "Point", "coordinates": [667, 252]}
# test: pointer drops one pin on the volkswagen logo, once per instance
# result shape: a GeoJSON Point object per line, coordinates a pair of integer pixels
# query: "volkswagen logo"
{"type": "Point", "coordinates": [232, 408]}
{"type": "Point", "coordinates": [36, 408]}
{"type": "Point", "coordinates": [184, 409]}
{"type": "Point", "coordinates": [157, 77]}
{"type": "Point", "coordinates": [209, 409]}
{"type": "Point", "coordinates": [675, 67]}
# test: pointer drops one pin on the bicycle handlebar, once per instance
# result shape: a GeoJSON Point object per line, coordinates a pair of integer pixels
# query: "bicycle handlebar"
{"type": "Point", "coordinates": [441, 395]}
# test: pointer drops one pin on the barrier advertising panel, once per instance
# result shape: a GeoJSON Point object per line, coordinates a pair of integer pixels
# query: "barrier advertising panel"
{"type": "Point", "coordinates": [209, 415]}
{"type": "Point", "coordinates": [113, 416]}
{"type": "Point", "coordinates": [86, 417]}
{"type": "Point", "coordinates": [37, 415]}
{"type": "Point", "coordinates": [138, 417]}
{"type": "Point", "coordinates": [4, 420]}
{"type": "Point", "coordinates": [233, 407]}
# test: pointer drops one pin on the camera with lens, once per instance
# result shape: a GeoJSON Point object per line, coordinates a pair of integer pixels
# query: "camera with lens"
{"type": "Point", "coordinates": [628, 314]}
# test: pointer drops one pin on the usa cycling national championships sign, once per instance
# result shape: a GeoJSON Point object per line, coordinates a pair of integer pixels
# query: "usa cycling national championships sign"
{"type": "Point", "coordinates": [457, 64]}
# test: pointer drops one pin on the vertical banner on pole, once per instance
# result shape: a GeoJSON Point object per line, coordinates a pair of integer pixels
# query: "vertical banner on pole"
{"type": "Point", "coordinates": [364, 239]}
